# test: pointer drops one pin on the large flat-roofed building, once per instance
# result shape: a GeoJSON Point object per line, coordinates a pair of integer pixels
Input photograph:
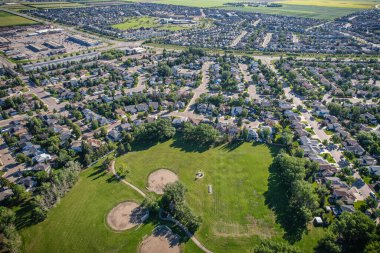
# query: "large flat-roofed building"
{"type": "Point", "coordinates": [83, 41]}
{"type": "Point", "coordinates": [135, 50]}
{"type": "Point", "coordinates": [76, 58]}
{"type": "Point", "coordinates": [53, 45]}
{"type": "Point", "coordinates": [49, 31]}
{"type": "Point", "coordinates": [36, 48]}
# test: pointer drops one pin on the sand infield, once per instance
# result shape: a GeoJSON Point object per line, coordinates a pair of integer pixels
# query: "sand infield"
{"type": "Point", "coordinates": [125, 216]}
{"type": "Point", "coordinates": [163, 240]}
{"type": "Point", "coordinates": [159, 178]}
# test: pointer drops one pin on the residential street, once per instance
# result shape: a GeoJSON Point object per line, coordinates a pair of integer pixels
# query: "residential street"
{"type": "Point", "coordinates": [203, 87]}
{"type": "Point", "coordinates": [247, 77]}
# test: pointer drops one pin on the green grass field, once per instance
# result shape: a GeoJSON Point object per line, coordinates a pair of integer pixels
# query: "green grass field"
{"type": "Point", "coordinates": [147, 22]}
{"type": "Point", "coordinates": [78, 223]}
{"type": "Point", "coordinates": [235, 216]}
{"type": "Point", "coordinates": [8, 19]}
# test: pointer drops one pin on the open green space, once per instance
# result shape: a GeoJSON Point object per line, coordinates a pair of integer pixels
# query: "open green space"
{"type": "Point", "coordinates": [235, 216]}
{"type": "Point", "coordinates": [78, 223]}
{"type": "Point", "coordinates": [8, 19]}
{"type": "Point", "coordinates": [148, 22]}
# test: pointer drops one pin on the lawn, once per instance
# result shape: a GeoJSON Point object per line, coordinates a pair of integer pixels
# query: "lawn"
{"type": "Point", "coordinates": [328, 132]}
{"type": "Point", "coordinates": [147, 22]}
{"type": "Point", "coordinates": [328, 157]}
{"type": "Point", "coordinates": [8, 19]}
{"type": "Point", "coordinates": [310, 130]}
{"type": "Point", "coordinates": [235, 216]}
{"type": "Point", "coordinates": [77, 224]}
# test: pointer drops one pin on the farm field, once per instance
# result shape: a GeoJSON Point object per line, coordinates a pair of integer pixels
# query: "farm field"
{"type": "Point", "coordinates": [8, 19]}
{"type": "Point", "coordinates": [194, 3]}
{"type": "Point", "coordinates": [53, 5]}
{"type": "Point", "coordinates": [304, 11]}
{"type": "Point", "coordinates": [333, 3]}
{"type": "Point", "coordinates": [16, 7]}
{"type": "Point", "coordinates": [235, 216]}
{"type": "Point", "coordinates": [320, 9]}
{"type": "Point", "coordinates": [147, 22]}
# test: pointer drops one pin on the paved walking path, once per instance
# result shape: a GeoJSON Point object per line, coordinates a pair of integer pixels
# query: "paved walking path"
{"type": "Point", "coordinates": [168, 218]}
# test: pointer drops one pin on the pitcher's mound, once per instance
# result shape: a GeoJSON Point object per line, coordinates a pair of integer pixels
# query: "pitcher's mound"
{"type": "Point", "coordinates": [163, 240]}
{"type": "Point", "coordinates": [126, 215]}
{"type": "Point", "coordinates": [159, 178]}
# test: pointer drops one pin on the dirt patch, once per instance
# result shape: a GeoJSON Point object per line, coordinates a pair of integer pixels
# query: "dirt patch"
{"type": "Point", "coordinates": [159, 178]}
{"type": "Point", "coordinates": [163, 240]}
{"type": "Point", "coordinates": [126, 215]}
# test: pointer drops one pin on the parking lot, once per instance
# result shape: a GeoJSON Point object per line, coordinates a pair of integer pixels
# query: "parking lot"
{"type": "Point", "coordinates": [36, 42]}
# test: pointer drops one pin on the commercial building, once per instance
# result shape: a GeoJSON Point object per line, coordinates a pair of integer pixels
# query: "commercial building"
{"type": "Point", "coordinates": [83, 41]}
{"type": "Point", "coordinates": [76, 58]}
{"type": "Point", "coordinates": [53, 45]}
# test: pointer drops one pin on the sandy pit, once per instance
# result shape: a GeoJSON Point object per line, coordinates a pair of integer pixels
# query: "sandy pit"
{"type": "Point", "coordinates": [163, 240]}
{"type": "Point", "coordinates": [159, 178]}
{"type": "Point", "coordinates": [126, 215]}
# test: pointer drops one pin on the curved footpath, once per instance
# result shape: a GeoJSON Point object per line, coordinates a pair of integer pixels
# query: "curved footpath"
{"type": "Point", "coordinates": [168, 218]}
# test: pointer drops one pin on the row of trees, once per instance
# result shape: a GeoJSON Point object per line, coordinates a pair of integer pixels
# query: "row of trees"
{"type": "Point", "coordinates": [203, 134]}
{"type": "Point", "coordinates": [159, 130]}
{"type": "Point", "coordinates": [173, 202]}
{"type": "Point", "coordinates": [49, 193]}
{"type": "Point", "coordinates": [10, 239]}
{"type": "Point", "coordinates": [292, 197]}
{"type": "Point", "coordinates": [352, 232]}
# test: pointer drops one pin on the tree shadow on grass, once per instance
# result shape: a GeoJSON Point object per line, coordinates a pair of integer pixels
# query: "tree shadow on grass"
{"type": "Point", "coordinates": [274, 149]}
{"type": "Point", "coordinates": [176, 237]}
{"type": "Point", "coordinates": [23, 215]}
{"type": "Point", "coordinates": [163, 231]}
{"type": "Point", "coordinates": [179, 143]}
{"type": "Point", "coordinates": [97, 173]}
{"type": "Point", "coordinates": [143, 145]}
{"type": "Point", "coordinates": [277, 199]}
{"type": "Point", "coordinates": [231, 146]}
{"type": "Point", "coordinates": [113, 179]}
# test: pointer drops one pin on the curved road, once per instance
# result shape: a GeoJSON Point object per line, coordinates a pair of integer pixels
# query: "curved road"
{"type": "Point", "coordinates": [190, 235]}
